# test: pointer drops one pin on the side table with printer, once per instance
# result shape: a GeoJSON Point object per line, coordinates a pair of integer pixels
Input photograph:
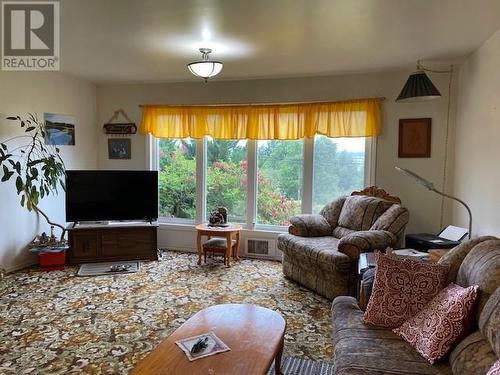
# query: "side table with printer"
{"type": "Point", "coordinates": [448, 238]}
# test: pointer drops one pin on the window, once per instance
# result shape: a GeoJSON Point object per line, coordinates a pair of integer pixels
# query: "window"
{"type": "Point", "coordinates": [261, 182]}
{"type": "Point", "coordinates": [279, 181]}
{"type": "Point", "coordinates": [177, 178]}
{"type": "Point", "coordinates": [227, 178]}
{"type": "Point", "coordinates": [339, 168]}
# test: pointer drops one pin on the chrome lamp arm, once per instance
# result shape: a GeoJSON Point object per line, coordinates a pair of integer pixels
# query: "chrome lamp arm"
{"type": "Point", "coordinates": [430, 186]}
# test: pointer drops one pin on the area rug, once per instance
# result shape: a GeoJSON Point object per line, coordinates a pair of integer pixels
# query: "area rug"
{"type": "Point", "coordinates": [108, 268]}
{"type": "Point", "coordinates": [57, 323]}
{"type": "Point", "coordinates": [300, 366]}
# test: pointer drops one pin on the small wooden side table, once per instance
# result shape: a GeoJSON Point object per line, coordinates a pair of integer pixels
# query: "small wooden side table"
{"type": "Point", "coordinates": [225, 232]}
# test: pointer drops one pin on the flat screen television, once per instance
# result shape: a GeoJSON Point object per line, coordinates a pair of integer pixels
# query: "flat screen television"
{"type": "Point", "coordinates": [111, 195]}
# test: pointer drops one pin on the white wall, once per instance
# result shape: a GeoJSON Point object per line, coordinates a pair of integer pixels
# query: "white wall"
{"type": "Point", "coordinates": [22, 92]}
{"type": "Point", "coordinates": [477, 177]}
{"type": "Point", "coordinates": [424, 206]}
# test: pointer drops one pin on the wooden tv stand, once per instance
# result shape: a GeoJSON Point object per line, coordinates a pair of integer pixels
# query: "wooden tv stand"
{"type": "Point", "coordinates": [111, 242]}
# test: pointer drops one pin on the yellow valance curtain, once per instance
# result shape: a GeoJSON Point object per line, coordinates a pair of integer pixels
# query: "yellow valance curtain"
{"type": "Point", "coordinates": [354, 118]}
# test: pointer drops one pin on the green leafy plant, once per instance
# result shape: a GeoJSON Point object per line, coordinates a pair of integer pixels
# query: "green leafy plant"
{"type": "Point", "coordinates": [37, 168]}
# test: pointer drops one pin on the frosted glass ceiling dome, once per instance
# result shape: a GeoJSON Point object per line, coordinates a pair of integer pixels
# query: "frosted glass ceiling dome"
{"type": "Point", "coordinates": [205, 68]}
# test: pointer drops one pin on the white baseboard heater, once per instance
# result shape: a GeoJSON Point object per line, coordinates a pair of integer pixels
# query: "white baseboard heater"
{"type": "Point", "coordinates": [260, 248]}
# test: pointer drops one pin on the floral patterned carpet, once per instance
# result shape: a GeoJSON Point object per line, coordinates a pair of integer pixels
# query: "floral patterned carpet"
{"type": "Point", "coordinates": [57, 323]}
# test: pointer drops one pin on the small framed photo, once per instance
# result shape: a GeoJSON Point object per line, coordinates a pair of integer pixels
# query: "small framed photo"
{"type": "Point", "coordinates": [59, 129]}
{"type": "Point", "coordinates": [415, 138]}
{"type": "Point", "coordinates": [119, 148]}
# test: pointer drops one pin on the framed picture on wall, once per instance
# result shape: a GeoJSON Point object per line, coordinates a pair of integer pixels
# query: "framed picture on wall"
{"type": "Point", "coordinates": [415, 138]}
{"type": "Point", "coordinates": [119, 148]}
{"type": "Point", "coordinates": [59, 129]}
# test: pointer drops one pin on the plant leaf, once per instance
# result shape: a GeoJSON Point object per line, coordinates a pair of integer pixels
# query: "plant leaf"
{"type": "Point", "coordinates": [4, 146]}
{"type": "Point", "coordinates": [30, 128]}
{"type": "Point", "coordinates": [11, 118]}
{"type": "Point", "coordinates": [6, 174]}
{"type": "Point", "coordinates": [23, 198]}
{"type": "Point", "coordinates": [19, 184]}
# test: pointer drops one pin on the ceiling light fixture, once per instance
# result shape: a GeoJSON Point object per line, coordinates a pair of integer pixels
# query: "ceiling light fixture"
{"type": "Point", "coordinates": [205, 68]}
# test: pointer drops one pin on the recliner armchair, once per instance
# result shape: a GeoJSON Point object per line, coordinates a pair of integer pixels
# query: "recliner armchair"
{"type": "Point", "coordinates": [321, 251]}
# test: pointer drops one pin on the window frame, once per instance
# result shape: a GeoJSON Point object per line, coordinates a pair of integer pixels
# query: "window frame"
{"type": "Point", "coordinates": [152, 163]}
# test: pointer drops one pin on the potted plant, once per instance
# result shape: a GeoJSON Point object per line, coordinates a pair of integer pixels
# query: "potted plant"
{"type": "Point", "coordinates": [37, 168]}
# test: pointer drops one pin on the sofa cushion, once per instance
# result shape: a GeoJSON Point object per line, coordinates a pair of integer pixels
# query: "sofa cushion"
{"type": "Point", "coordinates": [308, 225]}
{"type": "Point", "coordinates": [435, 329]}
{"type": "Point", "coordinates": [318, 252]}
{"type": "Point", "coordinates": [340, 232]}
{"type": "Point", "coordinates": [401, 289]}
{"type": "Point", "coordinates": [472, 355]}
{"type": "Point", "coordinates": [360, 212]}
{"type": "Point", "coordinates": [489, 321]}
{"type": "Point", "coordinates": [481, 267]}
{"type": "Point", "coordinates": [393, 220]}
{"type": "Point", "coordinates": [362, 349]}
{"type": "Point", "coordinates": [456, 256]}
{"type": "Point", "coordinates": [331, 211]}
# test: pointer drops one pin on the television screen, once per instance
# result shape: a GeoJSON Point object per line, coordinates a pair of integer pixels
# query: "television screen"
{"type": "Point", "coordinates": [111, 195]}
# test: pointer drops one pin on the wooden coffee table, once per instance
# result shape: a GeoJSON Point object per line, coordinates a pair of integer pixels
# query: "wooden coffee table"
{"type": "Point", "coordinates": [254, 334]}
{"type": "Point", "coordinates": [224, 232]}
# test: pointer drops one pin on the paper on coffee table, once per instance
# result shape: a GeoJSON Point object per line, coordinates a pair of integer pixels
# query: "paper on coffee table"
{"type": "Point", "coordinates": [215, 345]}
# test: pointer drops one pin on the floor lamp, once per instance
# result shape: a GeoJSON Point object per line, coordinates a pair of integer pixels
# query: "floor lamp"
{"type": "Point", "coordinates": [430, 186]}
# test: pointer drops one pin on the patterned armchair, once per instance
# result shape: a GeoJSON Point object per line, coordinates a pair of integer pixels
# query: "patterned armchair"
{"type": "Point", "coordinates": [321, 251]}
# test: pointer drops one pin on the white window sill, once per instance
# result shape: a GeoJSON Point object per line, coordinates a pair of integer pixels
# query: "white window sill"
{"type": "Point", "coordinates": [191, 227]}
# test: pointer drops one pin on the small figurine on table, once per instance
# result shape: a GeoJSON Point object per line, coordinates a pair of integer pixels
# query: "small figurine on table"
{"type": "Point", "coordinates": [219, 218]}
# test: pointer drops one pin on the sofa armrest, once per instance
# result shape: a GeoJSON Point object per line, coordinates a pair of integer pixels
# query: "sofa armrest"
{"type": "Point", "coordinates": [363, 241]}
{"type": "Point", "coordinates": [309, 226]}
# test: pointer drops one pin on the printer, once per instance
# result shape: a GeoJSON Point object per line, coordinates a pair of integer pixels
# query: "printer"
{"type": "Point", "coordinates": [449, 237]}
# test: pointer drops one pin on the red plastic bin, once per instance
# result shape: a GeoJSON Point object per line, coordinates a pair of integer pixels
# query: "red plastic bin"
{"type": "Point", "coordinates": [50, 261]}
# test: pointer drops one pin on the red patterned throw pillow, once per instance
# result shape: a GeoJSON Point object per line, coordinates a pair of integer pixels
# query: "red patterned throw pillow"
{"type": "Point", "coordinates": [495, 369]}
{"type": "Point", "coordinates": [435, 330]}
{"type": "Point", "coordinates": [402, 287]}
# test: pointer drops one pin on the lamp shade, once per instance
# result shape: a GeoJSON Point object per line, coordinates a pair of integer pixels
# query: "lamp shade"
{"type": "Point", "coordinates": [205, 68]}
{"type": "Point", "coordinates": [418, 87]}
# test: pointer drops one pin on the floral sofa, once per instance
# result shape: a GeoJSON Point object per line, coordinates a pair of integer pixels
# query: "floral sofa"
{"type": "Point", "coordinates": [321, 251]}
{"type": "Point", "coordinates": [363, 349]}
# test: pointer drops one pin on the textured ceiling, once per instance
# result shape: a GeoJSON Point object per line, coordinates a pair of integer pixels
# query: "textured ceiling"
{"type": "Point", "coordinates": [152, 40]}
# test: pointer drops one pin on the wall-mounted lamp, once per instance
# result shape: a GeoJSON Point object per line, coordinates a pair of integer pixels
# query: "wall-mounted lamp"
{"type": "Point", "coordinates": [419, 87]}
